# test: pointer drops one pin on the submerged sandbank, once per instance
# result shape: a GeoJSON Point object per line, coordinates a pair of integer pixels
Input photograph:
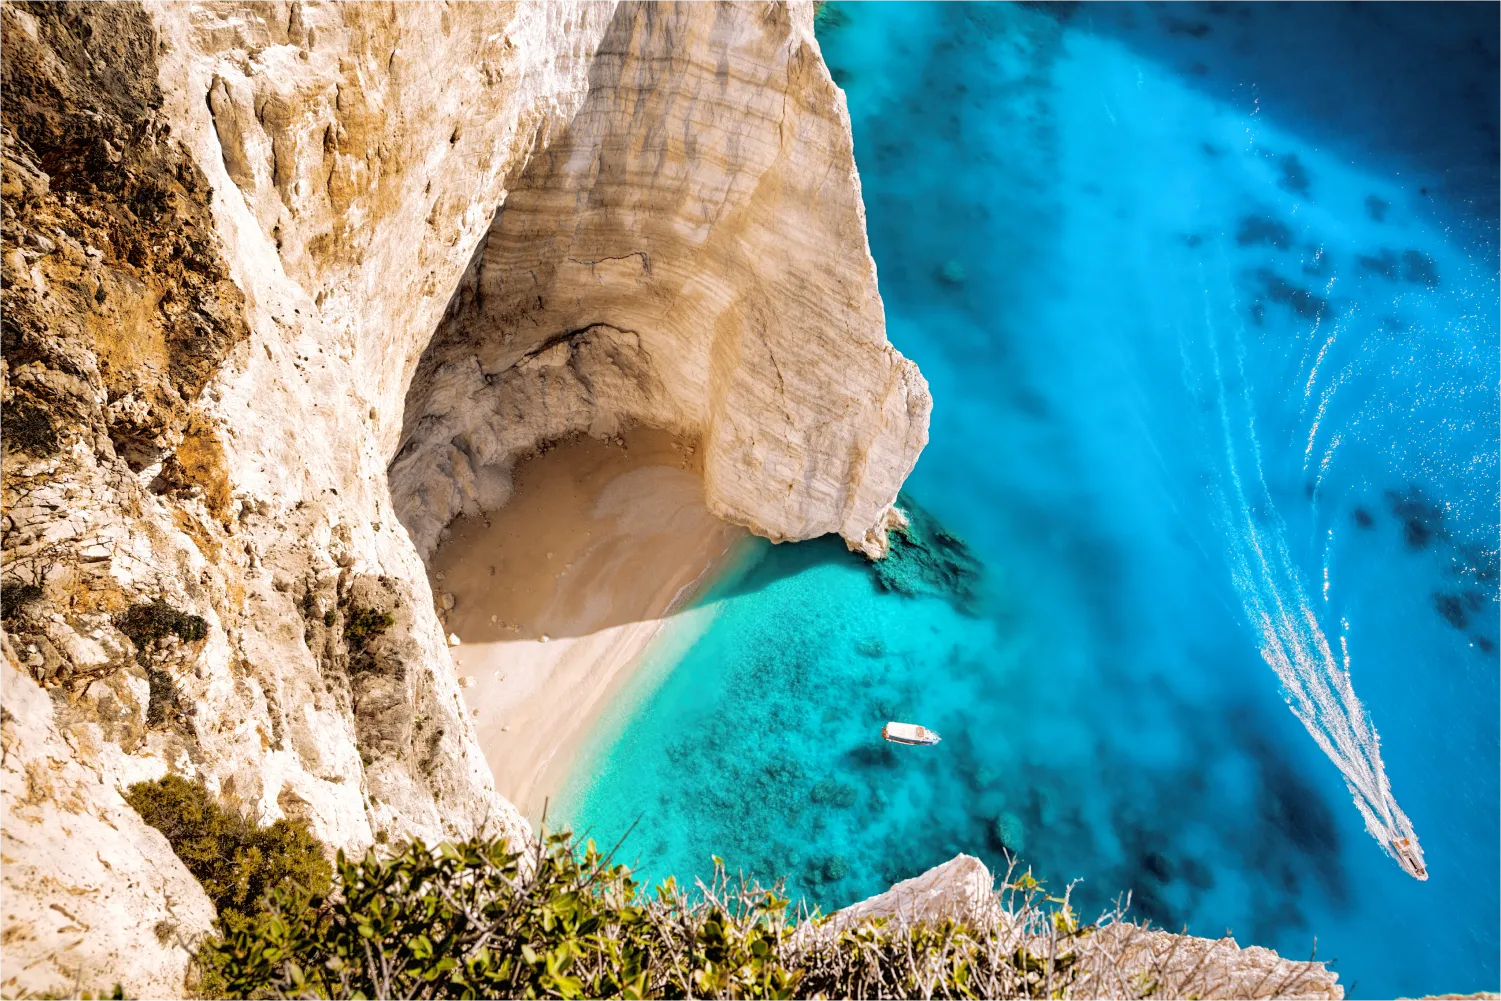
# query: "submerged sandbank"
{"type": "Point", "coordinates": [558, 594]}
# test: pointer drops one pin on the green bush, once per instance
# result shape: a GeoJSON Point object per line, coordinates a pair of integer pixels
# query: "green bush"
{"type": "Point", "coordinates": [162, 704]}
{"type": "Point", "coordinates": [477, 920]}
{"type": "Point", "coordinates": [364, 624]}
{"type": "Point", "coordinates": [15, 595]}
{"type": "Point", "coordinates": [152, 620]}
{"type": "Point", "coordinates": [29, 427]}
{"type": "Point", "coordinates": [236, 860]}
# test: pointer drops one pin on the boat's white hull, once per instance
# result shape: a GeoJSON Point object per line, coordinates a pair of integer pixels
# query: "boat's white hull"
{"type": "Point", "coordinates": [910, 734]}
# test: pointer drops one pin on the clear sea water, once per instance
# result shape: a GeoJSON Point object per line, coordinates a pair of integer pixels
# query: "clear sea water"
{"type": "Point", "coordinates": [1207, 298]}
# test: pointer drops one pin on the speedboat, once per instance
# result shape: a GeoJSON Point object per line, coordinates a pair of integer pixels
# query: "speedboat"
{"type": "Point", "coordinates": [909, 733]}
{"type": "Point", "coordinates": [1409, 857]}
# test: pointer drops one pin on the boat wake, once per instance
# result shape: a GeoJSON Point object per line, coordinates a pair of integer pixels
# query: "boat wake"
{"type": "Point", "coordinates": [1315, 683]}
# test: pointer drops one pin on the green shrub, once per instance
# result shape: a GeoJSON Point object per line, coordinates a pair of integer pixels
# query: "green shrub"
{"type": "Point", "coordinates": [364, 624]}
{"type": "Point", "coordinates": [15, 595]}
{"type": "Point", "coordinates": [236, 860]}
{"type": "Point", "coordinates": [477, 920]}
{"type": "Point", "coordinates": [162, 704]}
{"type": "Point", "coordinates": [29, 427]}
{"type": "Point", "coordinates": [153, 620]}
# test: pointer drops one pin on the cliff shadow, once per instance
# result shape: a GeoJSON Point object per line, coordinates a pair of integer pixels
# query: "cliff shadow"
{"type": "Point", "coordinates": [592, 534]}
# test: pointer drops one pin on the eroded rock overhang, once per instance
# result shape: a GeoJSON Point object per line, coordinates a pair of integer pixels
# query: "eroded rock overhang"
{"type": "Point", "coordinates": [688, 253]}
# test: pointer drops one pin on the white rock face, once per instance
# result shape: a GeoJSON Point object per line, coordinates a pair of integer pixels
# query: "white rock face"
{"type": "Point", "coordinates": [961, 888]}
{"type": "Point", "coordinates": [92, 894]}
{"type": "Point", "coordinates": [689, 253]}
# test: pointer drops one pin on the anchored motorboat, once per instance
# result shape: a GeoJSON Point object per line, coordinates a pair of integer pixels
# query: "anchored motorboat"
{"type": "Point", "coordinates": [909, 733]}
{"type": "Point", "coordinates": [1409, 857]}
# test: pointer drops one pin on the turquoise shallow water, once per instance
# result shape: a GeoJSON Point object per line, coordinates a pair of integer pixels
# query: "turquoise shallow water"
{"type": "Point", "coordinates": [1207, 299]}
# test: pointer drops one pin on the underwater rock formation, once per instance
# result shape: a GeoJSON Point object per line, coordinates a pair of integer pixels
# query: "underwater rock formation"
{"type": "Point", "coordinates": [926, 558]}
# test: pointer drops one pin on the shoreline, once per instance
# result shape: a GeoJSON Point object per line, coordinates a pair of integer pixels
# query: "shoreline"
{"type": "Point", "coordinates": [558, 596]}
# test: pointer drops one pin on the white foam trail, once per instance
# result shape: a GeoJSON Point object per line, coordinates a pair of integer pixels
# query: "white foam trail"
{"type": "Point", "coordinates": [1315, 685]}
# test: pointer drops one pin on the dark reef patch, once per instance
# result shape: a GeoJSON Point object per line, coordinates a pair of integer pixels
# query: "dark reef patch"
{"type": "Point", "coordinates": [1063, 10]}
{"type": "Point", "coordinates": [826, 869]}
{"type": "Point", "coordinates": [1376, 208]}
{"type": "Point", "coordinates": [1301, 301]}
{"type": "Point", "coordinates": [829, 17]}
{"type": "Point", "coordinates": [1362, 518]}
{"type": "Point", "coordinates": [1294, 179]}
{"type": "Point", "coordinates": [1422, 520]}
{"type": "Point", "coordinates": [1383, 263]}
{"type": "Point", "coordinates": [1316, 264]}
{"type": "Point", "coordinates": [1179, 26]}
{"type": "Point", "coordinates": [1256, 230]}
{"type": "Point", "coordinates": [1417, 268]}
{"type": "Point", "coordinates": [926, 558]}
{"type": "Point", "coordinates": [1451, 608]}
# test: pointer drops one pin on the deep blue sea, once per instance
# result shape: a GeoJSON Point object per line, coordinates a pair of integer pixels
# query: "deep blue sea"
{"type": "Point", "coordinates": [1207, 298]}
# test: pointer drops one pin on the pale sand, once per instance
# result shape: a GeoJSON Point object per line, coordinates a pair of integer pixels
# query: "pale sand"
{"type": "Point", "coordinates": [594, 551]}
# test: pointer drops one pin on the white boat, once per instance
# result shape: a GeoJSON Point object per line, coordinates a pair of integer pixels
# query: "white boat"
{"type": "Point", "coordinates": [1409, 857]}
{"type": "Point", "coordinates": [909, 733]}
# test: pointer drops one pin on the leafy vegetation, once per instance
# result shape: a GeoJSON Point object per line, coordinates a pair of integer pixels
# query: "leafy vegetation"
{"type": "Point", "coordinates": [365, 624]}
{"type": "Point", "coordinates": [237, 861]}
{"type": "Point", "coordinates": [162, 704]}
{"type": "Point", "coordinates": [150, 621]}
{"type": "Point", "coordinates": [477, 919]}
{"type": "Point", "coordinates": [15, 594]}
{"type": "Point", "coordinates": [29, 427]}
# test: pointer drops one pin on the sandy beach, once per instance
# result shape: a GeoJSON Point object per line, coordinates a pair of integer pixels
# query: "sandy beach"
{"type": "Point", "coordinates": [557, 594]}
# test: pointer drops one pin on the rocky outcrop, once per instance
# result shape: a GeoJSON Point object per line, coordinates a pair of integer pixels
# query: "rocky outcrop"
{"type": "Point", "coordinates": [1116, 959]}
{"type": "Point", "coordinates": [688, 253]}
{"type": "Point", "coordinates": [231, 230]}
{"type": "Point", "coordinates": [961, 889]}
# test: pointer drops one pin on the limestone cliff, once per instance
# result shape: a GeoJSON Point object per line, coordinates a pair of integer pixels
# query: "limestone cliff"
{"type": "Point", "coordinates": [230, 233]}
{"type": "Point", "coordinates": [688, 252]}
